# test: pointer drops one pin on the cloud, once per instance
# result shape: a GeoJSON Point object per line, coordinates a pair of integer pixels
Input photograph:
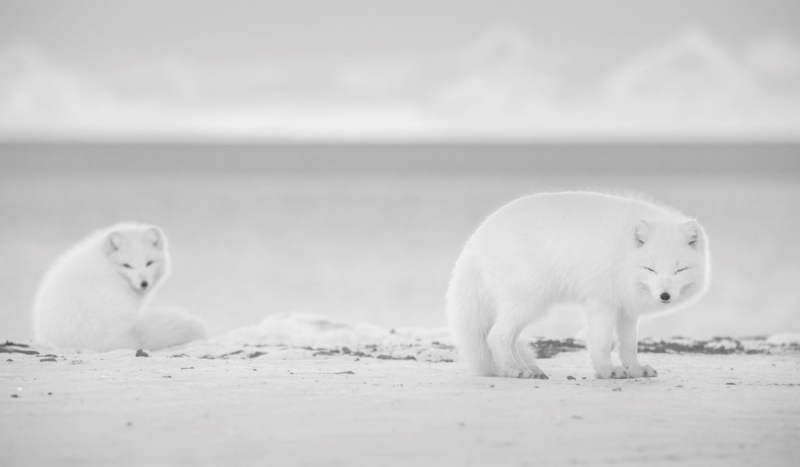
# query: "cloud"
{"type": "Point", "coordinates": [689, 73]}
{"type": "Point", "coordinates": [30, 85]}
{"type": "Point", "coordinates": [502, 74]}
{"type": "Point", "coordinates": [500, 86]}
{"type": "Point", "coordinates": [774, 59]}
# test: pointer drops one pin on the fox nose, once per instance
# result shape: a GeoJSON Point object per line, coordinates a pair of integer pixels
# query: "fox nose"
{"type": "Point", "coordinates": [144, 285]}
{"type": "Point", "coordinates": [664, 297]}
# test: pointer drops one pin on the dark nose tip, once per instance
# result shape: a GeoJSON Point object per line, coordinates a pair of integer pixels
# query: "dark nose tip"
{"type": "Point", "coordinates": [664, 297]}
{"type": "Point", "coordinates": [144, 285]}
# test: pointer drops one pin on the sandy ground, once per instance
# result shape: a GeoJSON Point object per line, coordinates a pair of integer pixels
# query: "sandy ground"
{"type": "Point", "coordinates": [288, 407]}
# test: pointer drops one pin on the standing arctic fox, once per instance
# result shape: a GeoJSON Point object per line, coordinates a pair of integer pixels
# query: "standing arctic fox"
{"type": "Point", "coordinates": [620, 258]}
{"type": "Point", "coordinates": [96, 295]}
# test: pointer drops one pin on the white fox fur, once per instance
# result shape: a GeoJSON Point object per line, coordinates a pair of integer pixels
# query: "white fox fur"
{"type": "Point", "coordinates": [96, 295]}
{"type": "Point", "coordinates": [619, 258]}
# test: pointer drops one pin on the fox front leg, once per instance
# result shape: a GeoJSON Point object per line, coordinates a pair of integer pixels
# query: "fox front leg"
{"type": "Point", "coordinates": [601, 328]}
{"type": "Point", "coordinates": [627, 330]}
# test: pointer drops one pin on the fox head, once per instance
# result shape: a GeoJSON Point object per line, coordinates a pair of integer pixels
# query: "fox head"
{"type": "Point", "coordinates": [139, 255]}
{"type": "Point", "coordinates": [668, 264]}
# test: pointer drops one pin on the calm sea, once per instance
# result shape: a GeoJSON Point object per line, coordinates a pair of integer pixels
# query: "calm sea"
{"type": "Point", "coordinates": [370, 232]}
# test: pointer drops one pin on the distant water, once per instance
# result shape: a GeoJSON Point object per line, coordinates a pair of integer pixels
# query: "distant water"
{"type": "Point", "coordinates": [370, 232]}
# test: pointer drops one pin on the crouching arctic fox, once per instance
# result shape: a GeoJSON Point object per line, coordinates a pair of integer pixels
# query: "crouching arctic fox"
{"type": "Point", "coordinates": [619, 258]}
{"type": "Point", "coordinates": [96, 295]}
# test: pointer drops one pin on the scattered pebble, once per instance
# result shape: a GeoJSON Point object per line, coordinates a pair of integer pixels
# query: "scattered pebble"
{"type": "Point", "coordinates": [188, 368]}
{"type": "Point", "coordinates": [9, 360]}
{"type": "Point", "coordinates": [617, 389]}
{"type": "Point", "coordinates": [679, 386]}
{"type": "Point", "coordinates": [730, 384]}
{"type": "Point", "coordinates": [48, 359]}
{"type": "Point", "coordinates": [166, 376]}
{"type": "Point", "coordinates": [347, 373]}
{"type": "Point", "coordinates": [570, 377]}
{"type": "Point", "coordinates": [491, 386]}
{"type": "Point", "coordinates": [141, 353]}
{"type": "Point", "coordinates": [49, 393]}
{"type": "Point", "coordinates": [14, 396]}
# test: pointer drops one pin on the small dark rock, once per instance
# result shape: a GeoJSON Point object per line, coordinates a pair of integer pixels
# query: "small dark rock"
{"type": "Point", "coordinates": [9, 360]}
{"type": "Point", "coordinates": [345, 373]}
{"type": "Point", "coordinates": [48, 359]}
{"type": "Point", "coordinates": [570, 377]}
{"type": "Point", "coordinates": [390, 357]}
{"type": "Point", "coordinates": [14, 396]}
{"type": "Point", "coordinates": [141, 353]}
{"type": "Point", "coordinates": [730, 384]}
{"type": "Point", "coordinates": [256, 354]}
{"type": "Point", "coordinates": [617, 389]}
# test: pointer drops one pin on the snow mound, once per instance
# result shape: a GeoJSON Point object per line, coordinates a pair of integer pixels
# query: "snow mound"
{"type": "Point", "coordinates": [785, 338]}
{"type": "Point", "coordinates": [328, 337]}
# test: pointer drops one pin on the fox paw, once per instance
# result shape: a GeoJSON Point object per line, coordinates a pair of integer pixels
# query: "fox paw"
{"type": "Point", "coordinates": [640, 371]}
{"type": "Point", "coordinates": [616, 372]}
{"type": "Point", "coordinates": [512, 372]}
{"type": "Point", "coordinates": [533, 373]}
{"type": "Point", "coordinates": [537, 373]}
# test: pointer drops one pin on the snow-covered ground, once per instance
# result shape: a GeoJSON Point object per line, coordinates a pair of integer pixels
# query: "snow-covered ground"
{"type": "Point", "coordinates": [305, 390]}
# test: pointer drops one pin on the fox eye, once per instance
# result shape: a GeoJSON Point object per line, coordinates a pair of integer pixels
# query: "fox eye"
{"type": "Point", "coordinates": [679, 270]}
{"type": "Point", "coordinates": [126, 265]}
{"type": "Point", "coordinates": [149, 263]}
{"type": "Point", "coordinates": [649, 269]}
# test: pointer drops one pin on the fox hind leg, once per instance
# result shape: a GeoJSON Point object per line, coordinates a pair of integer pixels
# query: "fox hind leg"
{"type": "Point", "coordinates": [502, 340]}
{"type": "Point", "coordinates": [528, 357]}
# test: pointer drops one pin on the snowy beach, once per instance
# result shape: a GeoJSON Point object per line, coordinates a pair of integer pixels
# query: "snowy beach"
{"type": "Point", "coordinates": [390, 398]}
{"type": "Point", "coordinates": [362, 242]}
{"type": "Point", "coordinates": [238, 233]}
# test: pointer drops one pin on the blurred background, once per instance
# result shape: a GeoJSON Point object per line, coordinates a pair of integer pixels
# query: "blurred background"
{"type": "Point", "coordinates": [333, 158]}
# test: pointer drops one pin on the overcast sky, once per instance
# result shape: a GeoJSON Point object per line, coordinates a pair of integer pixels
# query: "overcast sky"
{"type": "Point", "coordinates": [409, 69]}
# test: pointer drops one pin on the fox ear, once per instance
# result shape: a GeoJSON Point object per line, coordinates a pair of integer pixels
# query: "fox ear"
{"type": "Point", "coordinates": [155, 236]}
{"type": "Point", "coordinates": [692, 233]}
{"type": "Point", "coordinates": [114, 242]}
{"type": "Point", "coordinates": [641, 233]}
